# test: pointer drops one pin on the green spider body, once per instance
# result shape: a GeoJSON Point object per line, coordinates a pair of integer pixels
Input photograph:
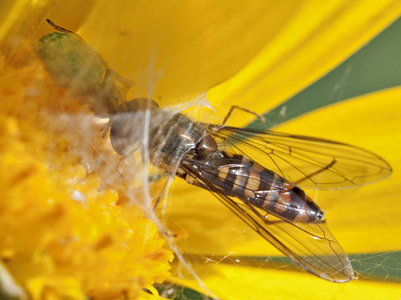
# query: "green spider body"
{"type": "Point", "coordinates": [71, 62]}
{"type": "Point", "coordinates": [74, 65]}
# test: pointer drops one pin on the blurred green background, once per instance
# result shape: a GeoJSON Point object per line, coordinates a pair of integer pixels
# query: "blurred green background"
{"type": "Point", "coordinates": [374, 67]}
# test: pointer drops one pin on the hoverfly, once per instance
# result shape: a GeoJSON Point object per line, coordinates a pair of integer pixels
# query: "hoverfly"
{"type": "Point", "coordinates": [258, 175]}
{"type": "Point", "coordinates": [74, 65]}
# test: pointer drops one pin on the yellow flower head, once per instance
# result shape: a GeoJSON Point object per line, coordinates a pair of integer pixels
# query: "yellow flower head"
{"type": "Point", "coordinates": [64, 233]}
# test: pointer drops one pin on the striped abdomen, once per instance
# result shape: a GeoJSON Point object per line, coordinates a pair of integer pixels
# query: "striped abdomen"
{"type": "Point", "coordinates": [238, 176]}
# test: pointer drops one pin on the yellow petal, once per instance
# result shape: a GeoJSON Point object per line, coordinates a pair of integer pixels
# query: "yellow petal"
{"type": "Point", "coordinates": [357, 217]}
{"type": "Point", "coordinates": [363, 219]}
{"type": "Point", "coordinates": [168, 71]}
{"type": "Point", "coordinates": [176, 50]}
{"type": "Point", "coordinates": [315, 40]}
{"type": "Point", "coordinates": [25, 20]}
{"type": "Point", "coordinates": [241, 282]}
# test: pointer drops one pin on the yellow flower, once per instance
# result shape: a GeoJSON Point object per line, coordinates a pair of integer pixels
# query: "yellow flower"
{"type": "Point", "coordinates": [61, 176]}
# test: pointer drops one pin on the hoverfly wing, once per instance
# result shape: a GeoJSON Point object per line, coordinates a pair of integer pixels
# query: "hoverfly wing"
{"type": "Point", "coordinates": [311, 246]}
{"type": "Point", "coordinates": [308, 162]}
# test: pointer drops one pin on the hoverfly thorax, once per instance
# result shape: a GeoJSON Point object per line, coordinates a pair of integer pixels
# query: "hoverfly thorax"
{"type": "Point", "coordinates": [176, 138]}
{"type": "Point", "coordinates": [173, 135]}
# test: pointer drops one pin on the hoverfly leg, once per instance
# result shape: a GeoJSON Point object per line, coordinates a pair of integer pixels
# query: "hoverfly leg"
{"type": "Point", "coordinates": [125, 83]}
{"type": "Point", "coordinates": [192, 181]}
{"type": "Point", "coordinates": [159, 198]}
{"type": "Point", "coordinates": [157, 176]}
{"type": "Point", "coordinates": [58, 28]}
{"type": "Point", "coordinates": [270, 222]}
{"type": "Point", "coordinates": [122, 159]}
{"type": "Point", "coordinates": [105, 128]}
{"type": "Point", "coordinates": [264, 217]}
{"type": "Point", "coordinates": [111, 96]}
{"type": "Point", "coordinates": [118, 169]}
{"type": "Point", "coordinates": [260, 117]}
